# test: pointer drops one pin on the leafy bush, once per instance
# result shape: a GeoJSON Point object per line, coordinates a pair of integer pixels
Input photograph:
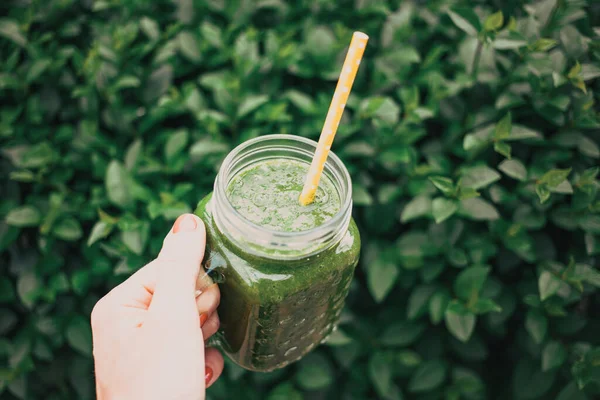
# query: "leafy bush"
{"type": "Point", "coordinates": [471, 135]}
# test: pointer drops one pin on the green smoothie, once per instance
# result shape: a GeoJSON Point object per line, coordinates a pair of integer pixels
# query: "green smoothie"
{"type": "Point", "coordinates": [266, 193]}
{"type": "Point", "coordinates": [273, 311]}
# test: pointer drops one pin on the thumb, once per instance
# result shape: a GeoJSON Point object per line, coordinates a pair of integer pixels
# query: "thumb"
{"type": "Point", "coordinates": [177, 268]}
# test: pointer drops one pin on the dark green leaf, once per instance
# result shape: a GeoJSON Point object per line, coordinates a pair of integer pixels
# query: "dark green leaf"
{"type": "Point", "coordinates": [23, 217]}
{"type": "Point", "coordinates": [479, 177]}
{"type": "Point", "coordinates": [444, 184]}
{"type": "Point", "coordinates": [553, 355]}
{"type": "Point", "coordinates": [380, 373]}
{"type": "Point", "coordinates": [514, 168]}
{"type": "Point", "coordinates": [548, 285]}
{"type": "Point", "coordinates": [470, 281]}
{"type": "Point", "coordinates": [478, 209]}
{"type": "Point", "coordinates": [79, 335]}
{"type": "Point", "coordinates": [402, 333]}
{"type": "Point", "coordinates": [118, 185]}
{"type": "Point", "coordinates": [437, 307]}
{"type": "Point", "coordinates": [315, 372]}
{"type": "Point", "coordinates": [68, 229]}
{"type": "Point", "coordinates": [465, 19]}
{"type": "Point", "coordinates": [418, 207]}
{"type": "Point", "coordinates": [443, 208]}
{"type": "Point", "coordinates": [537, 325]}
{"type": "Point", "coordinates": [460, 326]}
{"type": "Point", "coordinates": [175, 144]}
{"type": "Point", "coordinates": [418, 301]}
{"type": "Point", "coordinates": [503, 148]}
{"type": "Point", "coordinates": [99, 231]}
{"type": "Point", "coordinates": [10, 30]}
{"type": "Point", "coordinates": [554, 177]}
{"type": "Point", "coordinates": [427, 377]}
{"type": "Point", "coordinates": [381, 277]}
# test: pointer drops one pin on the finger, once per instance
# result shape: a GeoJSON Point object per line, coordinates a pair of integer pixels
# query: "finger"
{"type": "Point", "coordinates": [210, 326]}
{"type": "Point", "coordinates": [208, 301]}
{"type": "Point", "coordinates": [214, 365]}
{"type": "Point", "coordinates": [177, 268]}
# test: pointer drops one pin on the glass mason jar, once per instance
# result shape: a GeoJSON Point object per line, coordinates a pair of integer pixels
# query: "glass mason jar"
{"type": "Point", "coordinates": [281, 292]}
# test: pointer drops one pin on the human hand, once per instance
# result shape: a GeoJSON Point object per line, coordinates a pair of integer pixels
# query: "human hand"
{"type": "Point", "coordinates": [149, 332]}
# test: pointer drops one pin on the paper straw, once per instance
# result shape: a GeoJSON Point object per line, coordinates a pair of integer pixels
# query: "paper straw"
{"type": "Point", "coordinates": [334, 115]}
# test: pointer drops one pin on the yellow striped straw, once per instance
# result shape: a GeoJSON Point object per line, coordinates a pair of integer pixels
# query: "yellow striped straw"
{"type": "Point", "coordinates": [334, 115]}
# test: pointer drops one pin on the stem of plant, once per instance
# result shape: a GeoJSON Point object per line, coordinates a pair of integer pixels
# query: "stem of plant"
{"type": "Point", "coordinates": [476, 58]}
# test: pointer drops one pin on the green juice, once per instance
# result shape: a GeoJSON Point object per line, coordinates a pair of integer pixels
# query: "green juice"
{"type": "Point", "coordinates": [274, 311]}
{"type": "Point", "coordinates": [267, 194]}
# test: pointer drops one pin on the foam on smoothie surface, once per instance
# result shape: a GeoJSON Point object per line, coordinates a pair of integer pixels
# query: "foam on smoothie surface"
{"type": "Point", "coordinates": [266, 193]}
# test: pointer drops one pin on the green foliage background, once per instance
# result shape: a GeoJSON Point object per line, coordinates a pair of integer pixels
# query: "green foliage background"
{"type": "Point", "coordinates": [472, 136]}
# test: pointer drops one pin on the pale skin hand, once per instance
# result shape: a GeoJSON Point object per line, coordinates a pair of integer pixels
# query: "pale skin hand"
{"type": "Point", "coordinates": [149, 332]}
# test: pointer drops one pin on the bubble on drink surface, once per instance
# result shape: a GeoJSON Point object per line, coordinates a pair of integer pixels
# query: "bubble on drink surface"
{"type": "Point", "coordinates": [273, 187]}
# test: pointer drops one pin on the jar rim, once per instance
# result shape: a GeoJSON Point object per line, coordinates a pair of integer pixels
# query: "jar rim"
{"type": "Point", "coordinates": [325, 232]}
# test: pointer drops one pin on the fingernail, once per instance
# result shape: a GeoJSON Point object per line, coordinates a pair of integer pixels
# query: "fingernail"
{"type": "Point", "coordinates": [208, 374]}
{"type": "Point", "coordinates": [203, 318]}
{"type": "Point", "coordinates": [185, 223]}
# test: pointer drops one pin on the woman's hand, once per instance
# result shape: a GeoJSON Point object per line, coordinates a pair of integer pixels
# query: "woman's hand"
{"type": "Point", "coordinates": [149, 332]}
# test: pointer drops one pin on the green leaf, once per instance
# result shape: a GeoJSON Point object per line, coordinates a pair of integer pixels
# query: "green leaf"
{"type": "Point", "coordinates": [460, 326]}
{"type": "Point", "coordinates": [28, 288]}
{"type": "Point", "coordinates": [204, 148]}
{"type": "Point", "coordinates": [418, 301]}
{"type": "Point", "coordinates": [537, 325]}
{"type": "Point", "coordinates": [542, 192]}
{"type": "Point", "coordinates": [514, 168]}
{"type": "Point", "coordinates": [7, 292]}
{"type": "Point", "coordinates": [176, 144]}
{"type": "Point", "coordinates": [466, 19]}
{"type": "Point", "coordinates": [445, 185]}
{"type": "Point", "coordinates": [548, 285]}
{"type": "Point", "coordinates": [437, 307]}
{"type": "Point", "coordinates": [23, 217]}
{"type": "Point", "coordinates": [250, 104]}
{"type": "Point", "coordinates": [380, 373]}
{"type": "Point", "coordinates": [37, 69]}
{"type": "Point", "coordinates": [429, 376]}
{"type": "Point", "coordinates": [381, 277]}
{"type": "Point", "coordinates": [189, 47]}
{"type": "Point", "coordinates": [465, 193]}
{"type": "Point", "coordinates": [553, 355]}
{"type": "Point", "coordinates": [285, 391]}
{"type": "Point", "coordinates": [494, 22]}
{"type": "Point", "coordinates": [478, 209]}
{"type": "Point", "coordinates": [11, 31]}
{"type": "Point", "coordinates": [543, 44]}
{"type": "Point", "coordinates": [554, 177]}
{"type": "Point", "coordinates": [212, 34]}
{"type": "Point", "coordinates": [68, 229]}
{"type": "Point", "coordinates": [133, 154]}
{"type": "Point", "coordinates": [99, 231]}
{"type": "Point", "coordinates": [338, 338]}
{"type": "Point", "coordinates": [479, 177]}
{"type": "Point", "coordinates": [484, 306]}
{"type": "Point", "coordinates": [402, 333]}
{"type": "Point", "coordinates": [574, 71]}
{"type": "Point", "coordinates": [470, 281]}
{"type": "Point", "coordinates": [79, 335]}
{"type": "Point", "coordinates": [503, 148]}
{"type": "Point", "coordinates": [314, 372]}
{"type": "Point", "coordinates": [443, 208]}
{"type": "Point", "coordinates": [360, 196]}
{"type": "Point", "coordinates": [418, 207]}
{"type": "Point", "coordinates": [118, 185]}
{"type": "Point", "coordinates": [571, 392]}
{"type": "Point", "coordinates": [150, 28]}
